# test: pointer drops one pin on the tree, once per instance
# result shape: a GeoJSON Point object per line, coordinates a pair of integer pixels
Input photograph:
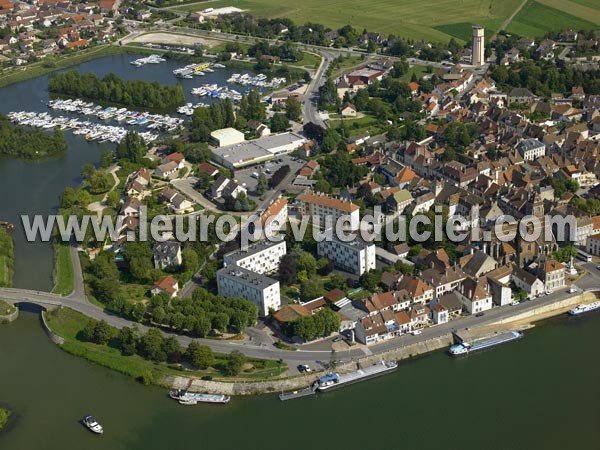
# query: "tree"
{"type": "Point", "coordinates": [113, 199]}
{"type": "Point", "coordinates": [235, 363]}
{"type": "Point", "coordinates": [132, 148]}
{"type": "Point", "coordinates": [103, 333]}
{"type": "Point", "coordinates": [127, 339]}
{"type": "Point", "coordinates": [201, 356]}
{"type": "Point", "coordinates": [310, 289]}
{"type": "Point", "coordinates": [152, 345]}
{"type": "Point", "coordinates": [100, 182]}
{"type": "Point", "coordinates": [565, 254]}
{"type": "Point", "coordinates": [331, 139]}
{"type": "Point", "coordinates": [305, 261]}
{"type": "Point", "coordinates": [279, 122]}
{"type": "Point", "coordinates": [293, 109]}
{"type": "Point", "coordinates": [190, 260]}
{"type": "Point", "coordinates": [370, 279]}
{"type": "Point", "coordinates": [288, 270]}
{"type": "Point", "coordinates": [172, 349]}
{"type": "Point", "coordinates": [262, 184]}
{"type": "Point", "coordinates": [87, 170]}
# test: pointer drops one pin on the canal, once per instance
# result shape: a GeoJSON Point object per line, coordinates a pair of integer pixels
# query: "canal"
{"type": "Point", "coordinates": [538, 393]}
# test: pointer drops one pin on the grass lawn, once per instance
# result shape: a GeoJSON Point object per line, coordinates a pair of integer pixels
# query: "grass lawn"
{"type": "Point", "coordinates": [406, 18]}
{"type": "Point", "coordinates": [4, 275]}
{"type": "Point", "coordinates": [536, 19]}
{"type": "Point", "coordinates": [6, 308]}
{"type": "Point", "coordinates": [309, 60]}
{"type": "Point", "coordinates": [64, 278]}
{"type": "Point", "coordinates": [419, 71]}
{"type": "Point", "coordinates": [590, 3]}
{"type": "Point", "coordinates": [68, 324]}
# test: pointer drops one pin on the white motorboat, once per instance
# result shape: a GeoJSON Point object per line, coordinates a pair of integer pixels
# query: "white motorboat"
{"type": "Point", "coordinates": [92, 424]}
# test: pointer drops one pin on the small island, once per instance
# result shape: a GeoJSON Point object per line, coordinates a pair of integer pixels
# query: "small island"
{"type": "Point", "coordinates": [26, 143]}
{"type": "Point", "coordinates": [4, 416]}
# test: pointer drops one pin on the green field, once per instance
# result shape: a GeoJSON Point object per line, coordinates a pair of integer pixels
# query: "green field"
{"type": "Point", "coordinates": [591, 3]}
{"type": "Point", "coordinates": [406, 18]}
{"type": "Point", "coordinates": [64, 278]}
{"type": "Point", "coordinates": [7, 256]}
{"type": "Point", "coordinates": [536, 19]}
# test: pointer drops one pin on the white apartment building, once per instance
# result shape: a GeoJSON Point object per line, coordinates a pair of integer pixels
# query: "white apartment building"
{"type": "Point", "coordinates": [235, 281]}
{"type": "Point", "coordinates": [320, 206]}
{"type": "Point", "coordinates": [356, 256]}
{"type": "Point", "coordinates": [260, 257]}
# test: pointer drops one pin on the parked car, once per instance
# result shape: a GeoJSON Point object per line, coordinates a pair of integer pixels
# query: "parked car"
{"type": "Point", "coordinates": [515, 303]}
{"type": "Point", "coordinates": [337, 339]}
{"type": "Point", "coordinates": [304, 368]}
{"type": "Point", "coordinates": [416, 332]}
{"type": "Point", "coordinates": [480, 314]}
{"type": "Point", "coordinates": [549, 291]}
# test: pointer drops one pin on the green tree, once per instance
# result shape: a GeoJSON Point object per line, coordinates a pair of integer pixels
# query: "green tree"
{"type": "Point", "coordinates": [113, 199]}
{"type": "Point", "coordinates": [201, 356]}
{"type": "Point", "coordinates": [261, 185]}
{"type": "Point", "coordinates": [152, 345]}
{"type": "Point", "coordinates": [235, 363]}
{"type": "Point", "coordinates": [279, 122]}
{"type": "Point", "coordinates": [293, 109]}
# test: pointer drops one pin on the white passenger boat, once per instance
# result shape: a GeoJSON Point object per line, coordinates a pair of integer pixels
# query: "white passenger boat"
{"type": "Point", "coordinates": [580, 309]}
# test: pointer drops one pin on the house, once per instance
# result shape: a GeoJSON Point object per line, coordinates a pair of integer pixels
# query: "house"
{"type": "Point", "coordinates": [552, 273]}
{"type": "Point", "coordinates": [208, 169]}
{"type": "Point", "coordinates": [180, 204]}
{"type": "Point", "coordinates": [475, 296]}
{"type": "Point", "coordinates": [592, 245]}
{"type": "Point", "coordinates": [520, 95]}
{"type": "Point", "coordinates": [418, 290]}
{"type": "Point", "coordinates": [168, 169]}
{"type": "Point", "coordinates": [348, 110]}
{"type": "Point", "coordinates": [531, 149]}
{"type": "Point", "coordinates": [176, 157]}
{"type": "Point", "coordinates": [167, 254]}
{"type": "Point", "coordinates": [440, 314]}
{"type": "Point", "coordinates": [224, 187]}
{"type": "Point", "coordinates": [527, 282]}
{"type": "Point", "coordinates": [131, 207]}
{"type": "Point", "coordinates": [168, 285]}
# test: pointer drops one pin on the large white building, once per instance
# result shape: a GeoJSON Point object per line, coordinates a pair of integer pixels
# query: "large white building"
{"type": "Point", "coordinates": [235, 281]}
{"type": "Point", "coordinates": [478, 46]}
{"type": "Point", "coordinates": [531, 149]}
{"type": "Point", "coordinates": [226, 136]}
{"type": "Point", "coordinates": [322, 208]}
{"type": "Point", "coordinates": [274, 218]}
{"type": "Point", "coordinates": [242, 154]}
{"type": "Point", "coordinates": [260, 257]}
{"type": "Point", "coordinates": [356, 256]}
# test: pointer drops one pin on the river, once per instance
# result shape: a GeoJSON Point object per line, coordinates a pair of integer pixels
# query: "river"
{"type": "Point", "coordinates": [538, 393]}
{"type": "Point", "coordinates": [34, 187]}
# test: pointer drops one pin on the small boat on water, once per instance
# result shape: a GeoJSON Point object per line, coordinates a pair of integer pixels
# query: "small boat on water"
{"type": "Point", "coordinates": [188, 398]}
{"type": "Point", "coordinates": [580, 309]}
{"type": "Point", "coordinates": [92, 425]}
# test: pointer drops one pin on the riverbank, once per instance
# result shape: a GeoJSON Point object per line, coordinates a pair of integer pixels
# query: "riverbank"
{"type": "Point", "coordinates": [63, 275]}
{"type": "Point", "coordinates": [60, 62]}
{"type": "Point", "coordinates": [8, 312]}
{"type": "Point", "coordinates": [69, 326]}
{"type": "Point", "coordinates": [7, 258]}
{"type": "Point", "coordinates": [4, 416]}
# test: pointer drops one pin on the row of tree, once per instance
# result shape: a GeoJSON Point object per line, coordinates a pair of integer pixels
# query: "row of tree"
{"type": "Point", "coordinates": [113, 89]}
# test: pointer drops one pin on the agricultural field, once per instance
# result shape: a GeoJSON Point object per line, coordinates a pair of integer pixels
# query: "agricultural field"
{"type": "Point", "coordinates": [439, 21]}
{"type": "Point", "coordinates": [539, 17]}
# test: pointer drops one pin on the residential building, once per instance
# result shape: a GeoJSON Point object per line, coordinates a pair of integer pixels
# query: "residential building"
{"type": "Point", "coordinates": [552, 273]}
{"type": "Point", "coordinates": [475, 296]}
{"type": "Point", "coordinates": [235, 281]}
{"type": "Point", "coordinates": [274, 218]}
{"type": "Point", "coordinates": [167, 284]}
{"type": "Point", "coordinates": [323, 209]}
{"type": "Point", "coordinates": [531, 149]}
{"type": "Point", "coordinates": [167, 254]}
{"type": "Point", "coordinates": [355, 256]}
{"type": "Point", "coordinates": [260, 257]}
{"type": "Point", "coordinates": [593, 245]}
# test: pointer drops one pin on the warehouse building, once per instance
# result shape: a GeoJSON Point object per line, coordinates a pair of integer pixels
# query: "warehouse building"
{"type": "Point", "coordinates": [248, 153]}
{"type": "Point", "coordinates": [226, 136]}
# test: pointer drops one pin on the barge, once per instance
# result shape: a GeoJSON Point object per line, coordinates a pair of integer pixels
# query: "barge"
{"type": "Point", "coordinates": [188, 398]}
{"type": "Point", "coordinates": [335, 380]}
{"type": "Point", "coordinates": [465, 348]}
{"type": "Point", "coordinates": [580, 309]}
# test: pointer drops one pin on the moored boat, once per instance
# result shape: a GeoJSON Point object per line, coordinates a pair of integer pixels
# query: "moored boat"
{"type": "Point", "coordinates": [465, 348]}
{"type": "Point", "coordinates": [189, 398]}
{"type": "Point", "coordinates": [335, 380]}
{"type": "Point", "coordinates": [580, 309]}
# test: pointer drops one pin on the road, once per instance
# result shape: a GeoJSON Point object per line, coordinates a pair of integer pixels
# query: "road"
{"type": "Point", "coordinates": [310, 99]}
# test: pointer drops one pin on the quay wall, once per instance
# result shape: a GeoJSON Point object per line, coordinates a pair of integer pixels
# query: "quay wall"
{"type": "Point", "coordinates": [53, 337]}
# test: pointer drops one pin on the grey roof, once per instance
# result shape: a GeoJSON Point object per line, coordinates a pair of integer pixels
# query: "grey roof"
{"type": "Point", "coordinates": [256, 149]}
{"type": "Point", "coordinates": [166, 249]}
{"type": "Point", "coordinates": [355, 240]}
{"type": "Point", "coordinates": [246, 277]}
{"type": "Point", "coordinates": [256, 247]}
{"type": "Point", "coordinates": [476, 263]}
{"type": "Point", "coordinates": [530, 144]}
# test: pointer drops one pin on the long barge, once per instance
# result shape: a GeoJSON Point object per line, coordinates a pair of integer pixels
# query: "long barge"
{"type": "Point", "coordinates": [335, 380]}
{"type": "Point", "coordinates": [580, 309]}
{"type": "Point", "coordinates": [465, 348]}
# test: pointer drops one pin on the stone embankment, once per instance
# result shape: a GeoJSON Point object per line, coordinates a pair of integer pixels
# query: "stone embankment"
{"type": "Point", "coordinates": [53, 337]}
{"type": "Point", "coordinates": [10, 317]}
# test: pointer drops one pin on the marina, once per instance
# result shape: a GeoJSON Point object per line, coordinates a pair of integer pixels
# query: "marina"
{"type": "Point", "coordinates": [217, 92]}
{"type": "Point", "coordinates": [260, 80]}
{"type": "Point", "coordinates": [581, 309]}
{"type": "Point", "coordinates": [91, 131]}
{"type": "Point", "coordinates": [151, 121]}
{"type": "Point", "coordinates": [465, 348]}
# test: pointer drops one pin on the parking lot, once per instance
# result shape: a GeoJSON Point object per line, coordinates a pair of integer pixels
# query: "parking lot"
{"type": "Point", "coordinates": [244, 176]}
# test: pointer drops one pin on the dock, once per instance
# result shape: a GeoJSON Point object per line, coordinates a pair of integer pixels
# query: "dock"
{"type": "Point", "coordinates": [297, 394]}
